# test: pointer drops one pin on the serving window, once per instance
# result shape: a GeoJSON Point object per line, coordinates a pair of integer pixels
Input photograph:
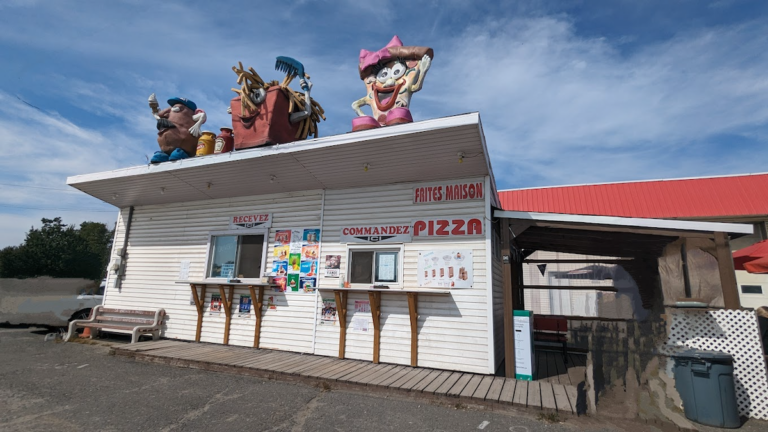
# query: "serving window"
{"type": "Point", "coordinates": [375, 265]}
{"type": "Point", "coordinates": [235, 255]}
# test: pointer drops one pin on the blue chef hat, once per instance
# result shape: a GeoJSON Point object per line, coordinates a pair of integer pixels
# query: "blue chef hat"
{"type": "Point", "coordinates": [184, 101]}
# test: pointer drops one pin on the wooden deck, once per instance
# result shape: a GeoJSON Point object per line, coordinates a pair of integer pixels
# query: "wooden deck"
{"type": "Point", "coordinates": [472, 388]}
{"type": "Point", "coordinates": [551, 368]}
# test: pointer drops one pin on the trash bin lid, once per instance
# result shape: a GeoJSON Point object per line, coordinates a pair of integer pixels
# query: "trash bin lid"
{"type": "Point", "coordinates": [704, 355]}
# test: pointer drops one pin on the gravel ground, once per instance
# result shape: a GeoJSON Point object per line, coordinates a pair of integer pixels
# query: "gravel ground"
{"type": "Point", "coordinates": [54, 386]}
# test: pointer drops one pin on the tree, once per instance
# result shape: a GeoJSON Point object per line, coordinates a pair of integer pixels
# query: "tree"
{"type": "Point", "coordinates": [59, 250]}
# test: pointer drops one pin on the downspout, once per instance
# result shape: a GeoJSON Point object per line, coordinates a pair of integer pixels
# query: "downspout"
{"type": "Point", "coordinates": [123, 250]}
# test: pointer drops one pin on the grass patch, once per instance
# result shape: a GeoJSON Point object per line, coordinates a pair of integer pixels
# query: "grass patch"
{"type": "Point", "coordinates": [324, 386]}
{"type": "Point", "coordinates": [549, 417]}
{"type": "Point", "coordinates": [84, 341]}
{"type": "Point", "coordinates": [459, 406]}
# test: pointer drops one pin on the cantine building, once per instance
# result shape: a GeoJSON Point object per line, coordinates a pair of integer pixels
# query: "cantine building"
{"type": "Point", "coordinates": [403, 212]}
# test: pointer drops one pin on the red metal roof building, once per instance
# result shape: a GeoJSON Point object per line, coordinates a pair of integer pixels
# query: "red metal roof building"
{"type": "Point", "coordinates": [735, 198]}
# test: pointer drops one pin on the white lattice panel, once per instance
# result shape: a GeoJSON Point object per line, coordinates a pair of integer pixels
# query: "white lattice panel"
{"type": "Point", "coordinates": [735, 332]}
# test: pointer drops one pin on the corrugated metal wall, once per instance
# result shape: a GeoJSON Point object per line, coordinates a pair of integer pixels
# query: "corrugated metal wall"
{"type": "Point", "coordinates": [498, 297]}
{"type": "Point", "coordinates": [454, 332]}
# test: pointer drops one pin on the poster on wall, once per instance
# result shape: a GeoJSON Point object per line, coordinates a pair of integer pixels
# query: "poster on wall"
{"type": "Point", "coordinates": [308, 284]}
{"type": "Point", "coordinates": [294, 263]}
{"type": "Point", "coordinates": [244, 311]}
{"type": "Point", "coordinates": [297, 252]}
{"type": "Point", "coordinates": [283, 237]}
{"type": "Point", "coordinates": [311, 236]}
{"type": "Point", "coordinates": [362, 306]}
{"type": "Point", "coordinates": [280, 268]}
{"type": "Point", "coordinates": [445, 268]}
{"type": "Point", "coordinates": [215, 305]}
{"type": "Point", "coordinates": [184, 270]}
{"type": "Point", "coordinates": [281, 252]}
{"type": "Point", "coordinates": [271, 303]}
{"type": "Point", "coordinates": [293, 282]}
{"type": "Point", "coordinates": [328, 314]}
{"type": "Point", "coordinates": [332, 266]}
{"type": "Point", "coordinates": [280, 283]}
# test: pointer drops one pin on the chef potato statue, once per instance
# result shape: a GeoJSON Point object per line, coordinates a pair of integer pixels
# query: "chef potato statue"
{"type": "Point", "coordinates": [178, 128]}
{"type": "Point", "coordinates": [391, 75]}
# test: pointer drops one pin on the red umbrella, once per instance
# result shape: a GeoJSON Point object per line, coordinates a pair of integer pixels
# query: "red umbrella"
{"type": "Point", "coordinates": [759, 265]}
{"type": "Point", "coordinates": [751, 254]}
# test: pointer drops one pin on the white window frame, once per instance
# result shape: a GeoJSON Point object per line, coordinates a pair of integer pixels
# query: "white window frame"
{"type": "Point", "coordinates": [238, 232]}
{"type": "Point", "coordinates": [389, 247]}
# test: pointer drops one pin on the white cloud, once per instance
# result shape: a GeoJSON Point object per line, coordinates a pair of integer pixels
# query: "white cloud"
{"type": "Point", "coordinates": [561, 107]}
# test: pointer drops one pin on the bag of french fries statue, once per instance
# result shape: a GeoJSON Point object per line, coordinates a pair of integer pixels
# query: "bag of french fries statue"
{"type": "Point", "coordinates": [265, 113]}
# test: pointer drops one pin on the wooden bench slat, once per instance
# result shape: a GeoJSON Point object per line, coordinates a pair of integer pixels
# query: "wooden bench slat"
{"type": "Point", "coordinates": [113, 327]}
{"type": "Point", "coordinates": [102, 318]}
{"type": "Point", "coordinates": [127, 311]}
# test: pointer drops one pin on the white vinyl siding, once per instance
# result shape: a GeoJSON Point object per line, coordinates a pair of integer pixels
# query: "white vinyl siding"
{"type": "Point", "coordinates": [453, 328]}
{"type": "Point", "coordinates": [164, 235]}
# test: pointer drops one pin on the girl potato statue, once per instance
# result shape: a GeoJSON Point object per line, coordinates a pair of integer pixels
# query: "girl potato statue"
{"type": "Point", "coordinates": [391, 75]}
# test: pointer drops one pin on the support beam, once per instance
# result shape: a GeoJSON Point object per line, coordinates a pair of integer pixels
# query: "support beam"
{"type": "Point", "coordinates": [375, 299]}
{"type": "Point", "coordinates": [199, 304]}
{"type": "Point", "coordinates": [227, 304]}
{"type": "Point", "coordinates": [341, 311]}
{"type": "Point", "coordinates": [413, 313]}
{"type": "Point", "coordinates": [507, 261]}
{"type": "Point", "coordinates": [258, 303]}
{"type": "Point", "coordinates": [727, 273]}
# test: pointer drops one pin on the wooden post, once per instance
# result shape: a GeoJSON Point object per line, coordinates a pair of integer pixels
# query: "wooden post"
{"type": "Point", "coordinates": [258, 303]}
{"type": "Point", "coordinates": [413, 312]}
{"type": "Point", "coordinates": [341, 311]}
{"type": "Point", "coordinates": [375, 299]}
{"type": "Point", "coordinates": [727, 273]}
{"type": "Point", "coordinates": [507, 261]}
{"type": "Point", "coordinates": [199, 305]}
{"type": "Point", "coordinates": [227, 309]}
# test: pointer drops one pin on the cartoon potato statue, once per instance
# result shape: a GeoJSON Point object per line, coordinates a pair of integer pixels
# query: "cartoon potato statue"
{"type": "Point", "coordinates": [178, 128]}
{"type": "Point", "coordinates": [391, 75]}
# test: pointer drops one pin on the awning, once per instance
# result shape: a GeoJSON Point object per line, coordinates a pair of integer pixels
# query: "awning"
{"type": "Point", "coordinates": [753, 259]}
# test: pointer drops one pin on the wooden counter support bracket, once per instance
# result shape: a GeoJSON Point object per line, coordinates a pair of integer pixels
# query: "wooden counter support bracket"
{"type": "Point", "coordinates": [375, 300]}
{"type": "Point", "coordinates": [199, 304]}
{"type": "Point", "coordinates": [413, 312]}
{"type": "Point", "coordinates": [258, 303]}
{"type": "Point", "coordinates": [341, 310]}
{"type": "Point", "coordinates": [227, 305]}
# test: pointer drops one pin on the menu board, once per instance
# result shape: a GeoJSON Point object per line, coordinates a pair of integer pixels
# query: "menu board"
{"type": "Point", "coordinates": [445, 268]}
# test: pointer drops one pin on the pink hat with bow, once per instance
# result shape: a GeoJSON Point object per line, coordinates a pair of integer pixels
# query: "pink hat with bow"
{"type": "Point", "coordinates": [393, 50]}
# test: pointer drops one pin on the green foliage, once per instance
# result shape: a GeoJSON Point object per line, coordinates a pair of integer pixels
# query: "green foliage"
{"type": "Point", "coordinates": [59, 250]}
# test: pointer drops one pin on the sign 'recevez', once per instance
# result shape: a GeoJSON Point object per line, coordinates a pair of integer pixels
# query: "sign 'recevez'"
{"type": "Point", "coordinates": [448, 192]}
{"type": "Point", "coordinates": [448, 227]}
{"type": "Point", "coordinates": [251, 221]}
{"type": "Point", "coordinates": [376, 234]}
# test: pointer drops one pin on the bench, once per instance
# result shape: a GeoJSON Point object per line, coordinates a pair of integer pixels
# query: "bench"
{"type": "Point", "coordinates": [553, 329]}
{"type": "Point", "coordinates": [131, 321]}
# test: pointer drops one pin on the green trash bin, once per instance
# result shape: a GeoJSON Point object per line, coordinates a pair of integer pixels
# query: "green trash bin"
{"type": "Point", "coordinates": [704, 380]}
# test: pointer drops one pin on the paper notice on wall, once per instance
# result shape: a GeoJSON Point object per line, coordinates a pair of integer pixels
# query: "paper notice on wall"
{"type": "Point", "coordinates": [445, 268]}
{"type": "Point", "coordinates": [360, 324]}
{"type": "Point", "coordinates": [271, 303]}
{"type": "Point", "coordinates": [184, 270]}
{"type": "Point", "coordinates": [296, 240]}
{"type": "Point", "coordinates": [328, 314]}
{"type": "Point", "coordinates": [386, 267]}
{"type": "Point", "coordinates": [362, 306]}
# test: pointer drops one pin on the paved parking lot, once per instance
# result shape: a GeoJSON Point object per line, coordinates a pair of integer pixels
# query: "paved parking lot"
{"type": "Point", "coordinates": [54, 386]}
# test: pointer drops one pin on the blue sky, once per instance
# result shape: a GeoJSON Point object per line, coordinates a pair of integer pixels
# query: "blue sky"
{"type": "Point", "coordinates": [568, 92]}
